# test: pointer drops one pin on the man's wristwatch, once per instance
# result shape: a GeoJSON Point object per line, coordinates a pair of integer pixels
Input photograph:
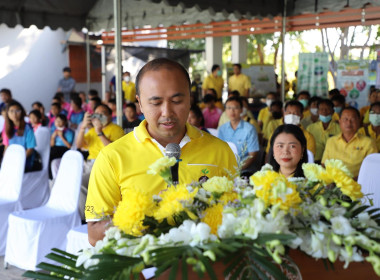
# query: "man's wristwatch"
{"type": "Point", "coordinates": [101, 134]}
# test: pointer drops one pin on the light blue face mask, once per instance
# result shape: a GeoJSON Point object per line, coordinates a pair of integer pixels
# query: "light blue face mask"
{"type": "Point", "coordinates": [337, 110]}
{"type": "Point", "coordinates": [304, 102]}
{"type": "Point", "coordinates": [325, 119]}
{"type": "Point", "coordinates": [219, 73]}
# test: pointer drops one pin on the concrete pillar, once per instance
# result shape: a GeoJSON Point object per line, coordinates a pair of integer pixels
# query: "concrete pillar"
{"type": "Point", "coordinates": [214, 48]}
{"type": "Point", "coordinates": [239, 48]}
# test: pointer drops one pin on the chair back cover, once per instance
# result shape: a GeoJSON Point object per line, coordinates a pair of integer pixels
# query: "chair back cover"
{"type": "Point", "coordinates": [11, 173]}
{"type": "Point", "coordinates": [35, 186]}
{"type": "Point", "coordinates": [2, 121]}
{"type": "Point", "coordinates": [310, 157]}
{"type": "Point", "coordinates": [65, 192]}
{"type": "Point", "coordinates": [369, 176]}
{"type": "Point", "coordinates": [213, 131]}
{"type": "Point", "coordinates": [234, 149]}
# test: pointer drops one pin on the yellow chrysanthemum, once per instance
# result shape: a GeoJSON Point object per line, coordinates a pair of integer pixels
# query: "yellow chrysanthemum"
{"type": "Point", "coordinates": [161, 164]}
{"type": "Point", "coordinates": [337, 163]}
{"type": "Point", "coordinates": [312, 171]}
{"type": "Point", "coordinates": [213, 217]}
{"type": "Point", "coordinates": [218, 185]}
{"type": "Point", "coordinates": [171, 202]}
{"type": "Point", "coordinates": [346, 184]}
{"type": "Point", "coordinates": [274, 189]}
{"type": "Point", "coordinates": [131, 212]}
{"type": "Point", "coordinates": [228, 197]}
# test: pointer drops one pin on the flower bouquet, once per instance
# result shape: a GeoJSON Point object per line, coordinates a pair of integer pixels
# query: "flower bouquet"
{"type": "Point", "coordinates": [247, 226]}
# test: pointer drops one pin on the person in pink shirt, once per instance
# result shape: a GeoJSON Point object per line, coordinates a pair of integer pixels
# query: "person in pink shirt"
{"type": "Point", "coordinates": [211, 113]}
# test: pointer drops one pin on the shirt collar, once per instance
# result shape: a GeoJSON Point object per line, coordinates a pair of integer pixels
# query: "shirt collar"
{"type": "Point", "coordinates": [352, 139]}
{"type": "Point", "coordinates": [238, 126]}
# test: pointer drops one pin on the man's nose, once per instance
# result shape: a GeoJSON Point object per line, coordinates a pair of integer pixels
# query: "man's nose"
{"type": "Point", "coordinates": [166, 109]}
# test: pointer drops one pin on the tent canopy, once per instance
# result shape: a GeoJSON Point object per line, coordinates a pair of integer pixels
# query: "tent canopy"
{"type": "Point", "coordinates": [98, 15]}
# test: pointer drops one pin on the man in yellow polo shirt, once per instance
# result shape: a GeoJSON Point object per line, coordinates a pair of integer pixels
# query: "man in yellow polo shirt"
{"type": "Point", "coordinates": [238, 81]}
{"type": "Point", "coordinates": [215, 81]}
{"type": "Point", "coordinates": [129, 88]}
{"type": "Point", "coordinates": [324, 128]}
{"type": "Point", "coordinates": [349, 146]}
{"type": "Point", "coordinates": [163, 92]}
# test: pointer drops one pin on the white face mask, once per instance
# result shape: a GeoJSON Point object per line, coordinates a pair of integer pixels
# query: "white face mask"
{"type": "Point", "coordinates": [127, 79]}
{"type": "Point", "coordinates": [244, 112]}
{"type": "Point", "coordinates": [374, 119]}
{"type": "Point", "coordinates": [292, 119]}
{"type": "Point", "coordinates": [269, 102]}
{"type": "Point", "coordinates": [314, 111]}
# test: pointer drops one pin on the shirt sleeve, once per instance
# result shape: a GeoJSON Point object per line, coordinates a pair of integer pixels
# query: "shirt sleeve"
{"type": "Point", "coordinates": [205, 83]}
{"type": "Point", "coordinates": [30, 140]}
{"type": "Point", "coordinates": [326, 153]}
{"type": "Point", "coordinates": [69, 136]}
{"type": "Point", "coordinates": [253, 140]}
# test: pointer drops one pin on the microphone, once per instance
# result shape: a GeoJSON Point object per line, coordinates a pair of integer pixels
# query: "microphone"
{"type": "Point", "coordinates": [173, 150]}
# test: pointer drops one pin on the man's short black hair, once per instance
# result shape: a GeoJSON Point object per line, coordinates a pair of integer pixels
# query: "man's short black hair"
{"type": "Point", "coordinates": [326, 101]}
{"type": "Point", "coordinates": [213, 91]}
{"type": "Point", "coordinates": [374, 105]}
{"type": "Point", "coordinates": [157, 64]}
{"type": "Point", "coordinates": [93, 92]}
{"type": "Point", "coordinates": [350, 108]}
{"type": "Point", "coordinates": [314, 99]}
{"type": "Point", "coordinates": [334, 92]}
{"type": "Point", "coordinates": [96, 100]}
{"type": "Point", "coordinates": [59, 95]}
{"type": "Point", "coordinates": [77, 101]}
{"type": "Point", "coordinates": [237, 65]}
{"type": "Point", "coordinates": [236, 99]}
{"type": "Point", "coordinates": [56, 104]}
{"type": "Point", "coordinates": [234, 93]}
{"type": "Point", "coordinates": [66, 69]}
{"type": "Point", "coordinates": [304, 92]}
{"type": "Point", "coordinates": [339, 98]}
{"type": "Point", "coordinates": [214, 67]}
{"type": "Point", "coordinates": [208, 98]}
{"type": "Point", "coordinates": [277, 103]}
{"type": "Point", "coordinates": [6, 91]}
{"type": "Point", "coordinates": [104, 106]}
{"type": "Point", "coordinates": [112, 101]}
{"type": "Point", "coordinates": [294, 103]}
{"type": "Point", "coordinates": [132, 106]}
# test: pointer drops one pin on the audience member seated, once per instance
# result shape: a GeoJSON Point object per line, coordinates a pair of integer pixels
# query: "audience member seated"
{"type": "Point", "coordinates": [276, 114]}
{"type": "Point", "coordinates": [240, 132]}
{"type": "Point", "coordinates": [131, 120]}
{"type": "Point", "coordinates": [265, 115]}
{"type": "Point", "coordinates": [93, 103]}
{"type": "Point", "coordinates": [313, 109]}
{"type": "Point", "coordinates": [224, 118]}
{"type": "Point", "coordinates": [82, 96]}
{"type": "Point", "coordinates": [324, 128]}
{"type": "Point", "coordinates": [35, 119]}
{"type": "Point", "coordinates": [129, 88]}
{"type": "Point", "coordinates": [16, 131]}
{"type": "Point", "coordinates": [333, 92]}
{"type": "Point", "coordinates": [373, 130]}
{"type": "Point", "coordinates": [196, 118]}
{"type": "Point", "coordinates": [218, 102]}
{"type": "Point", "coordinates": [375, 97]}
{"type": "Point", "coordinates": [214, 81]}
{"type": "Point", "coordinates": [55, 110]}
{"type": "Point", "coordinates": [303, 97]}
{"type": "Point", "coordinates": [339, 102]}
{"type": "Point", "coordinates": [44, 118]}
{"type": "Point", "coordinates": [6, 97]}
{"type": "Point", "coordinates": [349, 146]}
{"type": "Point", "coordinates": [288, 150]}
{"type": "Point", "coordinates": [76, 113]}
{"type": "Point", "coordinates": [61, 140]}
{"type": "Point", "coordinates": [292, 115]}
{"type": "Point", "coordinates": [64, 105]}
{"type": "Point", "coordinates": [112, 105]}
{"type": "Point", "coordinates": [211, 113]}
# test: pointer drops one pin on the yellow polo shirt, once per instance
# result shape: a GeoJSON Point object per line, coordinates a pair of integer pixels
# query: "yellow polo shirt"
{"type": "Point", "coordinates": [124, 164]}
{"type": "Point", "coordinates": [265, 116]}
{"type": "Point", "coordinates": [271, 127]}
{"type": "Point", "coordinates": [363, 110]}
{"type": "Point", "coordinates": [93, 142]}
{"type": "Point", "coordinates": [241, 83]}
{"type": "Point", "coordinates": [321, 135]}
{"type": "Point", "coordinates": [351, 153]}
{"type": "Point", "coordinates": [372, 134]}
{"type": "Point", "coordinates": [215, 83]}
{"type": "Point", "coordinates": [310, 141]}
{"type": "Point", "coordinates": [129, 91]}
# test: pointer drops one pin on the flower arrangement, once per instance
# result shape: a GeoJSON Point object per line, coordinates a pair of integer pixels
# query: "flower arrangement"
{"type": "Point", "coordinates": [247, 225]}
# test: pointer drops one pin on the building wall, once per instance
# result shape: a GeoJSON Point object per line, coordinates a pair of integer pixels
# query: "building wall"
{"type": "Point", "coordinates": [31, 63]}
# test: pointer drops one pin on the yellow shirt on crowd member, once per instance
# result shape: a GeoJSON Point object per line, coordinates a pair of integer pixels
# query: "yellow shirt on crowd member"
{"type": "Point", "coordinates": [321, 135]}
{"type": "Point", "coordinates": [366, 117]}
{"type": "Point", "coordinates": [93, 142]}
{"type": "Point", "coordinates": [363, 110]}
{"type": "Point", "coordinates": [372, 134]}
{"type": "Point", "coordinates": [335, 117]}
{"type": "Point", "coordinates": [265, 116]}
{"type": "Point", "coordinates": [248, 118]}
{"type": "Point", "coordinates": [241, 83]}
{"type": "Point", "coordinates": [129, 91]}
{"type": "Point", "coordinates": [310, 141]}
{"type": "Point", "coordinates": [123, 165]}
{"type": "Point", "coordinates": [351, 153]}
{"type": "Point", "coordinates": [218, 104]}
{"type": "Point", "coordinates": [306, 113]}
{"type": "Point", "coordinates": [271, 127]}
{"type": "Point", "coordinates": [215, 83]}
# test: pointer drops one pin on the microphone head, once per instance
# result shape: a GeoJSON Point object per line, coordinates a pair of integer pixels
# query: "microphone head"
{"type": "Point", "coordinates": [173, 150]}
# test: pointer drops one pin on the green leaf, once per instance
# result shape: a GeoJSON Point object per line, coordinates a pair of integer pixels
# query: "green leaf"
{"type": "Point", "coordinates": [184, 268]}
{"type": "Point", "coordinates": [173, 272]}
{"type": "Point", "coordinates": [40, 276]}
{"type": "Point", "coordinates": [356, 212]}
{"type": "Point", "coordinates": [71, 256]}
{"type": "Point", "coordinates": [59, 270]}
{"type": "Point", "coordinates": [207, 264]}
{"type": "Point", "coordinates": [61, 259]}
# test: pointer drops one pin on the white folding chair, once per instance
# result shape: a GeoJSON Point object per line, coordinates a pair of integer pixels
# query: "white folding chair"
{"type": "Point", "coordinates": [35, 186]}
{"type": "Point", "coordinates": [234, 149]}
{"type": "Point", "coordinates": [213, 131]}
{"type": "Point", "coordinates": [10, 185]}
{"type": "Point", "coordinates": [369, 178]}
{"type": "Point", "coordinates": [310, 157]}
{"type": "Point", "coordinates": [33, 233]}
{"type": "Point", "coordinates": [77, 239]}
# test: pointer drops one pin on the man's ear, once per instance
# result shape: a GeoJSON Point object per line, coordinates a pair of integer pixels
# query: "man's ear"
{"type": "Point", "coordinates": [139, 101]}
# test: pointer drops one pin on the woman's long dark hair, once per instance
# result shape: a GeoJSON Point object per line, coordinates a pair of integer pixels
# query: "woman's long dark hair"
{"type": "Point", "coordinates": [298, 134]}
{"type": "Point", "coordinates": [198, 114]}
{"type": "Point", "coordinates": [9, 125]}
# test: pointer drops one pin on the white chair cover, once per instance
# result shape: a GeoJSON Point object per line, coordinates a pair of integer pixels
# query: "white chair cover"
{"type": "Point", "coordinates": [77, 239]}
{"type": "Point", "coordinates": [35, 186]}
{"type": "Point", "coordinates": [310, 157]}
{"type": "Point", "coordinates": [33, 233]}
{"type": "Point", "coordinates": [234, 149]}
{"type": "Point", "coordinates": [213, 131]}
{"type": "Point", "coordinates": [10, 185]}
{"type": "Point", "coordinates": [369, 178]}
{"type": "Point", "coordinates": [2, 121]}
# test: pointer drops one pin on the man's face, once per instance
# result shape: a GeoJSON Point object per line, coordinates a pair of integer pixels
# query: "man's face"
{"type": "Point", "coordinates": [349, 122]}
{"type": "Point", "coordinates": [165, 101]}
{"type": "Point", "coordinates": [233, 110]}
{"type": "Point", "coordinates": [130, 114]}
{"type": "Point", "coordinates": [66, 74]}
{"type": "Point", "coordinates": [54, 110]}
{"type": "Point", "coordinates": [325, 110]}
{"type": "Point", "coordinates": [5, 97]}
{"type": "Point", "coordinates": [236, 70]}
{"type": "Point", "coordinates": [293, 110]}
{"type": "Point", "coordinates": [103, 111]}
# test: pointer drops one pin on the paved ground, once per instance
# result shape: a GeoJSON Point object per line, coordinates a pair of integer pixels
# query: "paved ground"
{"type": "Point", "coordinates": [12, 273]}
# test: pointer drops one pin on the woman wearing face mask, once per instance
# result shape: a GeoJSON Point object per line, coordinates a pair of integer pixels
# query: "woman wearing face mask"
{"type": "Point", "coordinates": [313, 109]}
{"type": "Point", "coordinates": [215, 81]}
{"type": "Point", "coordinates": [373, 130]}
{"type": "Point", "coordinates": [288, 150]}
{"type": "Point", "coordinates": [129, 88]}
{"type": "Point", "coordinates": [324, 128]}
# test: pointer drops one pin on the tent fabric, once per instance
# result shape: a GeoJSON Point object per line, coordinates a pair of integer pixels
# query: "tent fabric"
{"type": "Point", "coordinates": [97, 15]}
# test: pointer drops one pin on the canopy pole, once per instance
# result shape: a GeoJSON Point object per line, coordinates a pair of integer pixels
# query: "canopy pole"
{"type": "Point", "coordinates": [104, 82]}
{"type": "Point", "coordinates": [283, 53]}
{"type": "Point", "coordinates": [88, 69]}
{"type": "Point", "coordinates": [119, 97]}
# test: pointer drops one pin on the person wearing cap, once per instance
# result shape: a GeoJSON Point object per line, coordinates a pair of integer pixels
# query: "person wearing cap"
{"type": "Point", "coordinates": [66, 85]}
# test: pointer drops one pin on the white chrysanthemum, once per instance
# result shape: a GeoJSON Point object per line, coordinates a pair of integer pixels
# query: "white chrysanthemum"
{"type": "Point", "coordinates": [346, 257]}
{"type": "Point", "coordinates": [340, 225]}
{"type": "Point", "coordinates": [85, 258]}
